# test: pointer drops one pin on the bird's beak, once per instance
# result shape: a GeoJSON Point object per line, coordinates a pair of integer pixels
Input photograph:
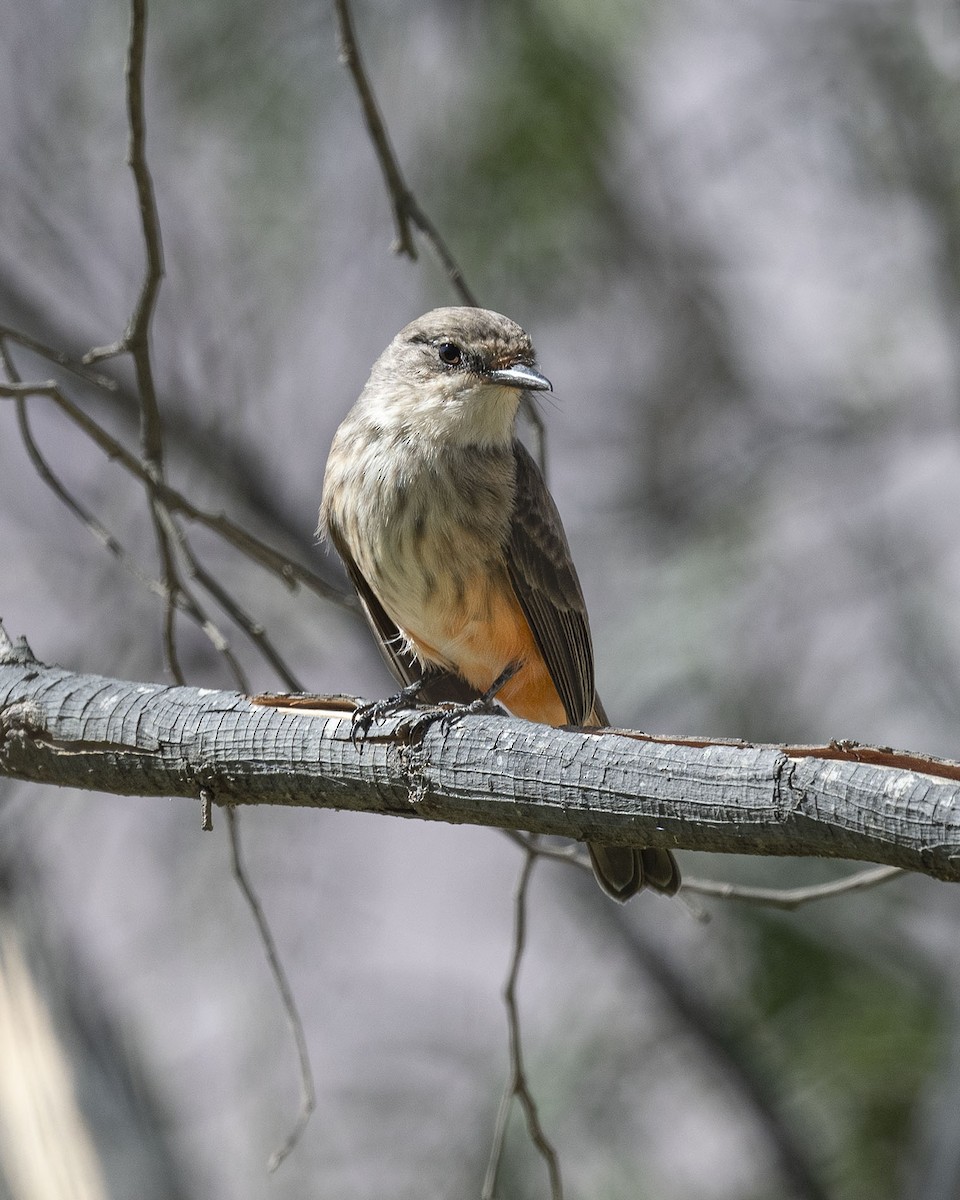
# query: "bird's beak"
{"type": "Point", "coordinates": [521, 376]}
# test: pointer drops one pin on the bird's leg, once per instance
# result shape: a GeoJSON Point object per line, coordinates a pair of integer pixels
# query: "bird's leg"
{"type": "Point", "coordinates": [483, 704]}
{"type": "Point", "coordinates": [377, 711]}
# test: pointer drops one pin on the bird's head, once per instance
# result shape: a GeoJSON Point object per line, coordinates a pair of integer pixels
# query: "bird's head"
{"type": "Point", "coordinates": [456, 375]}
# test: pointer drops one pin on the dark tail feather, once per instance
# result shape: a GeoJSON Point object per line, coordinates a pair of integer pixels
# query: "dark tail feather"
{"type": "Point", "coordinates": [622, 871]}
{"type": "Point", "coordinates": [660, 871]}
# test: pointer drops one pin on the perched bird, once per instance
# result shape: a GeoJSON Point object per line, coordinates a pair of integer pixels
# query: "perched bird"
{"type": "Point", "coordinates": [454, 544]}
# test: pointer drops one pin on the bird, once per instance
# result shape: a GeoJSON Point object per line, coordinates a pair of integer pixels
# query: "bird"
{"type": "Point", "coordinates": [447, 530]}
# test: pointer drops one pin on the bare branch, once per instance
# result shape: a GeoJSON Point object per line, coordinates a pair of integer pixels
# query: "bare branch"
{"type": "Point", "coordinates": [517, 1086]}
{"type": "Point", "coordinates": [392, 176]}
{"type": "Point", "coordinates": [791, 898]}
{"type": "Point", "coordinates": [403, 203]}
{"type": "Point", "coordinates": [440, 248]}
{"type": "Point", "coordinates": [308, 1097]}
{"type": "Point", "coordinates": [51, 354]}
{"type": "Point", "coordinates": [49, 476]}
{"type": "Point", "coordinates": [286, 569]}
{"type": "Point", "coordinates": [252, 628]}
{"type": "Point", "coordinates": [136, 338]}
{"type": "Point", "coordinates": [179, 598]}
{"type": "Point", "coordinates": [785, 898]}
{"type": "Point", "coordinates": [80, 510]}
{"type": "Point", "coordinates": [90, 732]}
{"type": "Point", "coordinates": [171, 540]}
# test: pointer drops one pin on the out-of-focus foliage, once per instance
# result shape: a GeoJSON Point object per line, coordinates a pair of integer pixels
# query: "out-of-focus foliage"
{"type": "Point", "coordinates": [851, 1038]}
{"type": "Point", "coordinates": [734, 233]}
{"type": "Point", "coordinates": [521, 171]}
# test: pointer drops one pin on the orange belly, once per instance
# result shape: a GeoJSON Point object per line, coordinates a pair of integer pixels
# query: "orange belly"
{"type": "Point", "coordinates": [479, 637]}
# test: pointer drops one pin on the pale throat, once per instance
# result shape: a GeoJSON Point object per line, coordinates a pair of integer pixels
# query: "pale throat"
{"type": "Point", "coordinates": [483, 416]}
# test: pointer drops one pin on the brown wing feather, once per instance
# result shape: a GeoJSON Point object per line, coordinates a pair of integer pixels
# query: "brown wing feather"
{"type": "Point", "coordinates": [546, 584]}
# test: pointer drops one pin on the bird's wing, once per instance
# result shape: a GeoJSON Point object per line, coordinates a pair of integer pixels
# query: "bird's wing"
{"type": "Point", "coordinates": [405, 668]}
{"type": "Point", "coordinates": [546, 584]}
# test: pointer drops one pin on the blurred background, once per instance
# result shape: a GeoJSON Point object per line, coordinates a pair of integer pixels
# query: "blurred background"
{"type": "Point", "coordinates": [733, 231]}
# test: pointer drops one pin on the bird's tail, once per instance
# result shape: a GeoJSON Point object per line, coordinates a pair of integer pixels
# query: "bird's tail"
{"type": "Point", "coordinates": [622, 871]}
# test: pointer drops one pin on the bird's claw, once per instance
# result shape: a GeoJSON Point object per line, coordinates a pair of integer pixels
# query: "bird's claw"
{"type": "Point", "coordinates": [446, 714]}
{"type": "Point", "coordinates": [414, 719]}
{"type": "Point", "coordinates": [417, 720]}
{"type": "Point", "coordinates": [375, 713]}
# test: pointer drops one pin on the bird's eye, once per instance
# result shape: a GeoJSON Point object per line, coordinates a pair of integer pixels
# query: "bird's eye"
{"type": "Point", "coordinates": [450, 354]}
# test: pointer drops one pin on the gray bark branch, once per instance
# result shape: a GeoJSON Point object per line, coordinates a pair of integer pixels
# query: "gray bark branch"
{"type": "Point", "coordinates": [86, 731]}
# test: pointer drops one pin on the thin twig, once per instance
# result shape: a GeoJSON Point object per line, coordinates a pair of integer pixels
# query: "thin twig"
{"type": "Point", "coordinates": [439, 247]}
{"type": "Point", "coordinates": [252, 628]}
{"type": "Point", "coordinates": [80, 511]}
{"type": "Point", "coordinates": [532, 844]}
{"type": "Point", "coordinates": [289, 571]}
{"type": "Point", "coordinates": [392, 176]}
{"type": "Point", "coordinates": [206, 810]}
{"type": "Point", "coordinates": [791, 898]}
{"type": "Point", "coordinates": [308, 1098]}
{"type": "Point", "coordinates": [785, 898]}
{"type": "Point", "coordinates": [517, 1086]}
{"type": "Point", "coordinates": [171, 540]}
{"type": "Point", "coordinates": [176, 543]}
{"type": "Point", "coordinates": [182, 599]}
{"type": "Point", "coordinates": [404, 204]}
{"type": "Point", "coordinates": [173, 591]}
{"type": "Point", "coordinates": [46, 472]}
{"type": "Point", "coordinates": [136, 338]}
{"type": "Point", "coordinates": [51, 354]}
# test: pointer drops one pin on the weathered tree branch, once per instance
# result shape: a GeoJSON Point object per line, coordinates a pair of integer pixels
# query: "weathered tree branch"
{"type": "Point", "coordinates": [86, 731]}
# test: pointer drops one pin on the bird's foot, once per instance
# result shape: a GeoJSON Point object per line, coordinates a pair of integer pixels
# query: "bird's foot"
{"type": "Point", "coordinates": [413, 719]}
{"type": "Point", "coordinates": [416, 720]}
{"type": "Point", "coordinates": [377, 711]}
